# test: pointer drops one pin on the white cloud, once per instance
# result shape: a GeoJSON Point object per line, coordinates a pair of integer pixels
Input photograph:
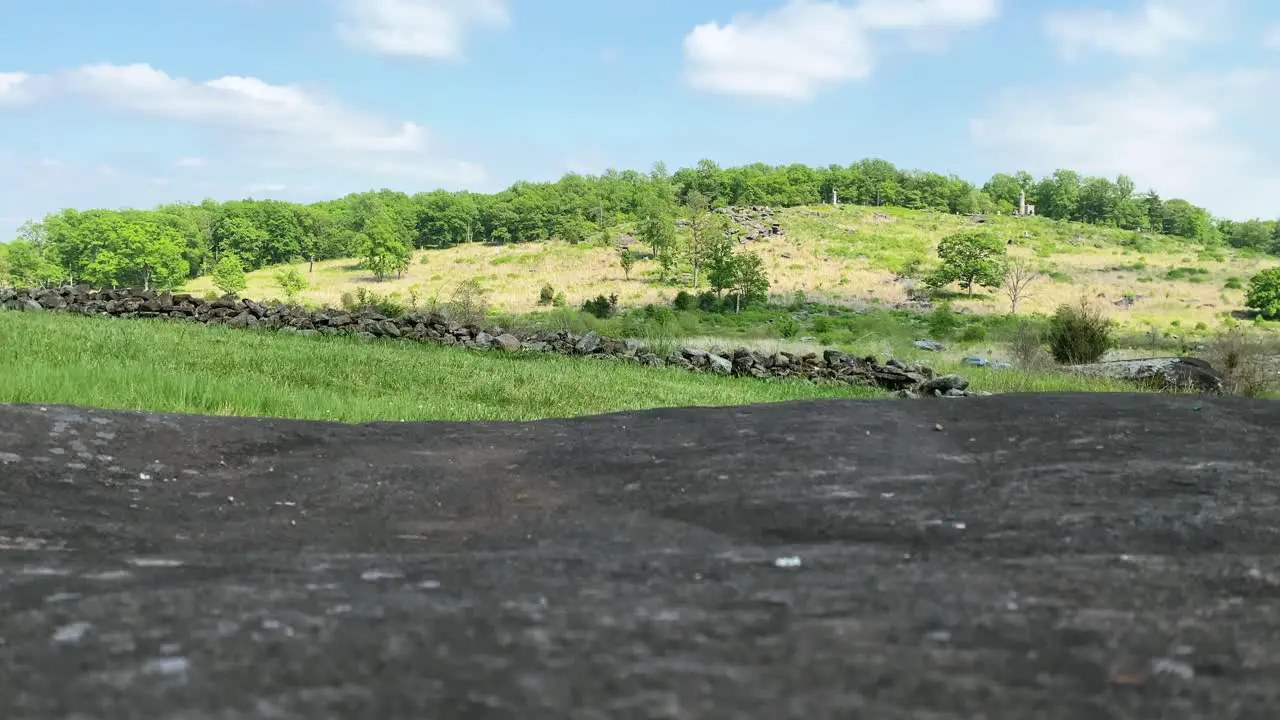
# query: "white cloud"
{"type": "Point", "coordinates": [1271, 38]}
{"type": "Point", "coordinates": [13, 88]}
{"type": "Point", "coordinates": [803, 46]}
{"type": "Point", "coordinates": [189, 162]}
{"type": "Point", "coordinates": [280, 126]}
{"type": "Point", "coordinates": [1154, 29]}
{"type": "Point", "coordinates": [1186, 137]}
{"type": "Point", "coordinates": [435, 29]}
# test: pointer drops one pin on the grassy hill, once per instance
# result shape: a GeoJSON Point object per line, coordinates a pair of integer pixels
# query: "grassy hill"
{"type": "Point", "coordinates": [850, 255]}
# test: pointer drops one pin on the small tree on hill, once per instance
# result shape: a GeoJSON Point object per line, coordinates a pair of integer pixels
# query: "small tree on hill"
{"type": "Point", "coordinates": [1263, 294]}
{"type": "Point", "coordinates": [291, 282]}
{"type": "Point", "coordinates": [750, 282]}
{"type": "Point", "coordinates": [627, 261]}
{"type": "Point", "coordinates": [970, 257]}
{"type": "Point", "coordinates": [1018, 276]}
{"type": "Point", "coordinates": [1079, 334]}
{"type": "Point", "coordinates": [228, 274]}
{"type": "Point", "coordinates": [721, 265]}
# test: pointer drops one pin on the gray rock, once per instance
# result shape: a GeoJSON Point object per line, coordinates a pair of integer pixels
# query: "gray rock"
{"type": "Point", "coordinates": [929, 345]}
{"type": "Point", "coordinates": [243, 320]}
{"type": "Point", "coordinates": [30, 306]}
{"type": "Point", "coordinates": [588, 343]}
{"type": "Point", "coordinates": [719, 365]}
{"type": "Point", "coordinates": [483, 339]}
{"type": "Point", "coordinates": [943, 385]}
{"type": "Point", "coordinates": [507, 342]}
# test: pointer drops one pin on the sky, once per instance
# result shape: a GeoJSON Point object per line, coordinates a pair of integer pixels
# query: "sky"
{"type": "Point", "coordinates": [132, 103]}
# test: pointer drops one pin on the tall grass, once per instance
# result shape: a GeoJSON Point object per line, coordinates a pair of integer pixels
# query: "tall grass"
{"type": "Point", "coordinates": [169, 367]}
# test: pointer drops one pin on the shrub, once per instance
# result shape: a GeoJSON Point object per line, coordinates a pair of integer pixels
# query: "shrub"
{"type": "Point", "coordinates": [974, 333]}
{"type": "Point", "coordinates": [821, 324]}
{"type": "Point", "coordinates": [560, 300]}
{"type": "Point", "coordinates": [228, 274]}
{"type": "Point", "coordinates": [1264, 293]}
{"type": "Point", "coordinates": [600, 306]}
{"type": "Point", "coordinates": [291, 282]}
{"type": "Point", "coordinates": [942, 322]}
{"type": "Point", "coordinates": [1244, 361]}
{"type": "Point", "coordinates": [708, 302]}
{"type": "Point", "coordinates": [787, 327]}
{"type": "Point", "coordinates": [1079, 334]}
{"type": "Point", "coordinates": [1026, 346]}
{"type": "Point", "coordinates": [467, 305]}
{"type": "Point", "coordinates": [684, 301]}
{"type": "Point", "coordinates": [1233, 283]}
{"type": "Point", "coordinates": [547, 295]}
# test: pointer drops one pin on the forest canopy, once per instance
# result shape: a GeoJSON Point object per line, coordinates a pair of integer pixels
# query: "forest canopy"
{"type": "Point", "coordinates": [163, 247]}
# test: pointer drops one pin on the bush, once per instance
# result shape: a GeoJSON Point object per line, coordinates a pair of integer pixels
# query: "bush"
{"type": "Point", "coordinates": [365, 299]}
{"type": "Point", "coordinates": [1079, 334]}
{"type": "Point", "coordinates": [708, 302]}
{"type": "Point", "coordinates": [1264, 293]}
{"type": "Point", "coordinates": [560, 300]}
{"type": "Point", "coordinates": [467, 306]}
{"type": "Point", "coordinates": [684, 301]}
{"type": "Point", "coordinates": [787, 327]}
{"type": "Point", "coordinates": [942, 322]}
{"type": "Point", "coordinates": [1244, 361]}
{"type": "Point", "coordinates": [1233, 283]}
{"type": "Point", "coordinates": [547, 295]}
{"type": "Point", "coordinates": [1026, 346]}
{"type": "Point", "coordinates": [602, 307]}
{"type": "Point", "coordinates": [974, 333]}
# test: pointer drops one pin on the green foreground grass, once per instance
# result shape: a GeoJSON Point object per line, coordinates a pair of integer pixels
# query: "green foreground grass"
{"type": "Point", "coordinates": [186, 368]}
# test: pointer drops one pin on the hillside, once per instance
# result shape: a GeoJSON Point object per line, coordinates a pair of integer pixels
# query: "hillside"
{"type": "Point", "coordinates": [851, 255]}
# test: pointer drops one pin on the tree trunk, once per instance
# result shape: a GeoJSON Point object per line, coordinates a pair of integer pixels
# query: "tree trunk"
{"type": "Point", "coordinates": [971, 288]}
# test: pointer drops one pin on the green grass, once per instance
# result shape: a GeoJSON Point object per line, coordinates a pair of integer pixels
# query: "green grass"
{"type": "Point", "coordinates": [186, 368]}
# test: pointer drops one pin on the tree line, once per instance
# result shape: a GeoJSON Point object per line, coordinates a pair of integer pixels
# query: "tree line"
{"type": "Point", "coordinates": [164, 247]}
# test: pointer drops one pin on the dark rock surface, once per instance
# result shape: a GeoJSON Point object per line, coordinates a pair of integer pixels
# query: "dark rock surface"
{"type": "Point", "coordinates": [1085, 556]}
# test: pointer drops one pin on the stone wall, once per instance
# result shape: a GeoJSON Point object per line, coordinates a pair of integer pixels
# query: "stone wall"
{"type": "Point", "coordinates": [830, 367]}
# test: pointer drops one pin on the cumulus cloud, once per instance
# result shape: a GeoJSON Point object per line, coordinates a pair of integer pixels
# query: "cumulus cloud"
{"type": "Point", "coordinates": [1151, 30]}
{"type": "Point", "coordinates": [1186, 137]}
{"type": "Point", "coordinates": [804, 46]}
{"type": "Point", "coordinates": [282, 126]}
{"type": "Point", "coordinates": [436, 29]}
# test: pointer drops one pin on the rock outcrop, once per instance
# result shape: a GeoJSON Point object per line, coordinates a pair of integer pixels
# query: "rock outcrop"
{"type": "Point", "coordinates": [1173, 374]}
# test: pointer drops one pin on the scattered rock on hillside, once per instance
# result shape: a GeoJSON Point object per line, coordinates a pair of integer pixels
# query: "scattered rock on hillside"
{"type": "Point", "coordinates": [929, 345]}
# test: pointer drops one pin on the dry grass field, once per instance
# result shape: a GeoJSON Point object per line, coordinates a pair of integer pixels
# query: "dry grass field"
{"type": "Point", "coordinates": [847, 255]}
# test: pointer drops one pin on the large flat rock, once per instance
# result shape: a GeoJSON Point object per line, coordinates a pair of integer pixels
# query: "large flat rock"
{"type": "Point", "coordinates": [1082, 556]}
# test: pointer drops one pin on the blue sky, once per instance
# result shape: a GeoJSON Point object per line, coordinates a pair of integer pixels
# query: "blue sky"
{"type": "Point", "coordinates": [136, 102]}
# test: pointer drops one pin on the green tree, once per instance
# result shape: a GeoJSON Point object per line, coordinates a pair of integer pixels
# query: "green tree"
{"type": "Point", "coordinates": [627, 262]}
{"type": "Point", "coordinates": [1263, 294]}
{"type": "Point", "coordinates": [27, 266]}
{"type": "Point", "coordinates": [750, 282]}
{"type": "Point", "coordinates": [658, 225]}
{"type": "Point", "coordinates": [228, 274]}
{"type": "Point", "coordinates": [970, 257]}
{"type": "Point", "coordinates": [236, 234]}
{"type": "Point", "coordinates": [5, 279]}
{"type": "Point", "coordinates": [704, 226]}
{"type": "Point", "coordinates": [291, 282]}
{"type": "Point", "coordinates": [721, 268]}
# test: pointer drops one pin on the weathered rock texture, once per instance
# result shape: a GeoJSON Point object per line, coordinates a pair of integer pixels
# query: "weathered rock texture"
{"type": "Point", "coordinates": [1080, 557]}
{"type": "Point", "coordinates": [1176, 374]}
{"type": "Point", "coordinates": [831, 367]}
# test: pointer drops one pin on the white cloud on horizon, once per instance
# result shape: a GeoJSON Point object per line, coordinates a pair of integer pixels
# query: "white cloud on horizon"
{"type": "Point", "coordinates": [1182, 136]}
{"type": "Point", "coordinates": [802, 47]}
{"type": "Point", "coordinates": [432, 29]}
